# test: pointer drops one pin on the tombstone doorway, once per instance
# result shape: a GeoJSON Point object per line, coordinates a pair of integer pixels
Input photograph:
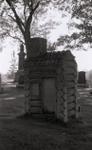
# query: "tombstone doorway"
{"type": "Point", "coordinates": [49, 95]}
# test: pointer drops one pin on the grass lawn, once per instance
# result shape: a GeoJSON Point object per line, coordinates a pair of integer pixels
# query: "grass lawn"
{"type": "Point", "coordinates": [24, 133]}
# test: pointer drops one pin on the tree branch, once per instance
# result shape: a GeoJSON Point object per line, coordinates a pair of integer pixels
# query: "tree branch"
{"type": "Point", "coordinates": [24, 11]}
{"type": "Point", "coordinates": [30, 16]}
{"type": "Point", "coordinates": [18, 20]}
{"type": "Point", "coordinates": [34, 9]}
{"type": "Point", "coordinates": [15, 37]}
{"type": "Point", "coordinates": [12, 18]}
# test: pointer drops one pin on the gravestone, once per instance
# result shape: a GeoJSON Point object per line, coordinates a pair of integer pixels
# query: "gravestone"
{"type": "Point", "coordinates": [20, 72]}
{"type": "Point", "coordinates": [82, 79]}
{"type": "Point", "coordinates": [21, 58]}
{"type": "Point", "coordinates": [50, 82]}
{"type": "Point", "coordinates": [1, 88]}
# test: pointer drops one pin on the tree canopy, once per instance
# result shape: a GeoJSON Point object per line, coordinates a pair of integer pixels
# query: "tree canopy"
{"type": "Point", "coordinates": [82, 10]}
{"type": "Point", "coordinates": [17, 18]}
{"type": "Point", "coordinates": [80, 25]}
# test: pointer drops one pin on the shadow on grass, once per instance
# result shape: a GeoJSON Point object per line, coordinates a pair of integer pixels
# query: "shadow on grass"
{"type": "Point", "coordinates": [12, 102]}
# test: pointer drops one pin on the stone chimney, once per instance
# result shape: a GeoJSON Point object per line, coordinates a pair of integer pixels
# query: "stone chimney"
{"type": "Point", "coordinates": [38, 47]}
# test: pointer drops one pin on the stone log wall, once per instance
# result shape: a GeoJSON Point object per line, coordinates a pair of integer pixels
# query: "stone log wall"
{"type": "Point", "coordinates": [67, 88]}
{"type": "Point", "coordinates": [64, 71]}
{"type": "Point", "coordinates": [33, 103]}
{"type": "Point", "coordinates": [35, 73]}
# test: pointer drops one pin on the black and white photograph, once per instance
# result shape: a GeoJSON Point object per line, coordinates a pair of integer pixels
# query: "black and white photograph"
{"type": "Point", "coordinates": [45, 74]}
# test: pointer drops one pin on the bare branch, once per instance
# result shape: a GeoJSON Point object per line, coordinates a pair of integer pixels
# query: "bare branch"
{"type": "Point", "coordinates": [37, 5]}
{"type": "Point", "coordinates": [24, 11]}
{"type": "Point", "coordinates": [30, 15]}
{"type": "Point", "coordinates": [15, 37]}
{"type": "Point", "coordinates": [18, 20]}
{"type": "Point", "coordinates": [12, 18]}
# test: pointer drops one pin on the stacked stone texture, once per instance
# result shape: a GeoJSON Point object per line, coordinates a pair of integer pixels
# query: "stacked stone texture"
{"type": "Point", "coordinates": [62, 67]}
{"type": "Point", "coordinates": [67, 87]}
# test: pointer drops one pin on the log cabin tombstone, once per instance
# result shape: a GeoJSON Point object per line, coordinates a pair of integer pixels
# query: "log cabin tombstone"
{"type": "Point", "coordinates": [50, 82]}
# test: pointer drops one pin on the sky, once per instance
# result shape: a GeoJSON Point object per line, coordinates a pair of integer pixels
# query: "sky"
{"type": "Point", "coordinates": [83, 58]}
{"type": "Point", "coordinates": [6, 55]}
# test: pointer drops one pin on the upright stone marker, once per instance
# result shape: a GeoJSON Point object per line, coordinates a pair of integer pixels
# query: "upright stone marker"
{"type": "Point", "coordinates": [21, 58]}
{"type": "Point", "coordinates": [20, 72]}
{"type": "Point", "coordinates": [82, 79]}
{"type": "Point", "coordinates": [1, 89]}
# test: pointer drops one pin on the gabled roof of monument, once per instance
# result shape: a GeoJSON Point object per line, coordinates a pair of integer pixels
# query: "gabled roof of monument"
{"type": "Point", "coordinates": [49, 56]}
{"type": "Point", "coordinates": [49, 62]}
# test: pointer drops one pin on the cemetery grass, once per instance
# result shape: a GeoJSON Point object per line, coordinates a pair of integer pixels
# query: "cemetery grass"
{"type": "Point", "coordinates": [25, 133]}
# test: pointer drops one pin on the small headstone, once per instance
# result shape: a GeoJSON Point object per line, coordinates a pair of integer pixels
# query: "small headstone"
{"type": "Point", "coordinates": [82, 79]}
{"type": "Point", "coordinates": [1, 88]}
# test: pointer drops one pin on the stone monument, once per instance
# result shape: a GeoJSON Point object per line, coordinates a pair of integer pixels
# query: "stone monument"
{"type": "Point", "coordinates": [50, 82]}
{"type": "Point", "coordinates": [21, 58]}
{"type": "Point", "coordinates": [20, 72]}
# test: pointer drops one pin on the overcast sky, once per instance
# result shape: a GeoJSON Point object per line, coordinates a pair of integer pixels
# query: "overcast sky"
{"type": "Point", "coordinates": [83, 58]}
{"type": "Point", "coordinates": [6, 55]}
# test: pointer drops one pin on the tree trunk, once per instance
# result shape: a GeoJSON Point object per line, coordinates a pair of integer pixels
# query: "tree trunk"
{"type": "Point", "coordinates": [27, 41]}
